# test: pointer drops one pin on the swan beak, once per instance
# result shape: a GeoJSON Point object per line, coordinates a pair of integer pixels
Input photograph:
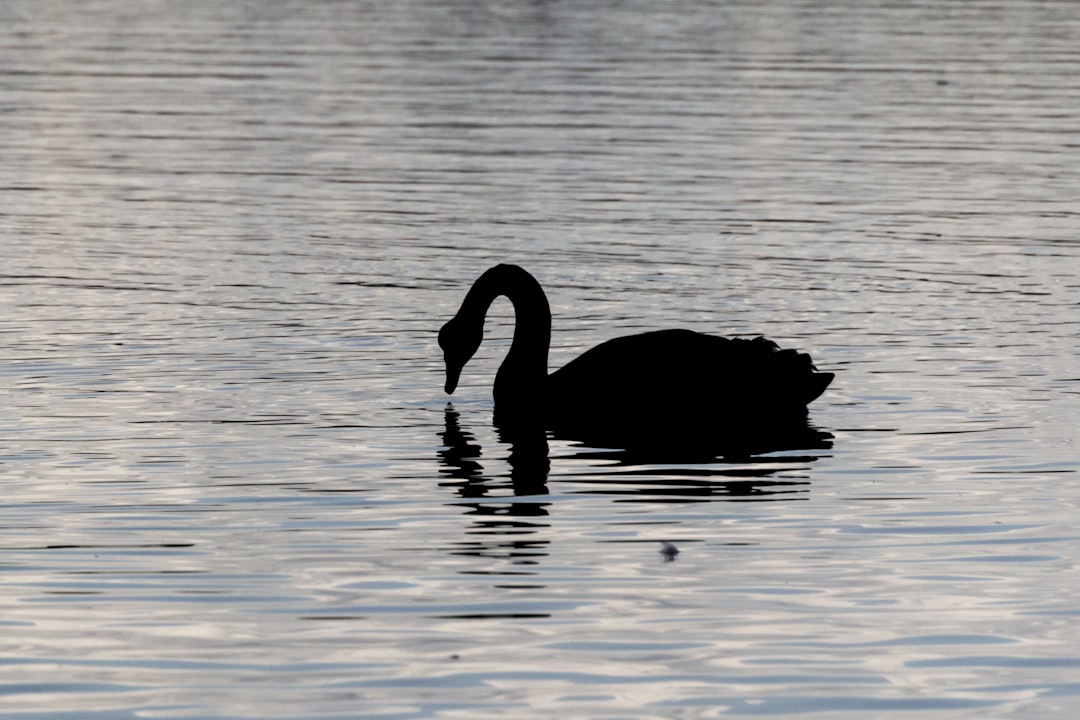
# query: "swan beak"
{"type": "Point", "coordinates": [453, 373]}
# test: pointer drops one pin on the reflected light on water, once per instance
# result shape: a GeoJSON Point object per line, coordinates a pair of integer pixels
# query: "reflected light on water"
{"type": "Point", "coordinates": [234, 487]}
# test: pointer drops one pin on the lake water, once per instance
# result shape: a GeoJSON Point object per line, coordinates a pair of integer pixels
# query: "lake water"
{"type": "Point", "coordinates": [233, 486]}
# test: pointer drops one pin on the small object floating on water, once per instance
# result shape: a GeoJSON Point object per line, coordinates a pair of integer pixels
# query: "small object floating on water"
{"type": "Point", "coordinates": [667, 382]}
{"type": "Point", "coordinates": [668, 550]}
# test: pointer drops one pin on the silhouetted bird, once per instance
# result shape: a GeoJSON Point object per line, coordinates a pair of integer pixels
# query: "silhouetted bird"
{"type": "Point", "coordinates": [666, 384]}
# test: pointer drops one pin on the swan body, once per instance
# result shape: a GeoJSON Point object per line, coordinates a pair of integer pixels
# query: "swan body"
{"type": "Point", "coordinates": [667, 381]}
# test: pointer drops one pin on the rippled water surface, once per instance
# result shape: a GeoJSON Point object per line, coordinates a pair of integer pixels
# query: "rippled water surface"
{"type": "Point", "coordinates": [234, 488]}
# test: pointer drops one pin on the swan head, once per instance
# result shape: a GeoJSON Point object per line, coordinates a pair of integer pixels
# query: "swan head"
{"type": "Point", "coordinates": [459, 340]}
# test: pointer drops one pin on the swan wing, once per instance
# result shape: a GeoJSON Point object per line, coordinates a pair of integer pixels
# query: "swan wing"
{"type": "Point", "coordinates": [682, 370]}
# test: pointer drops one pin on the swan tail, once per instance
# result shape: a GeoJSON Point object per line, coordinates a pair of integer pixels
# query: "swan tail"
{"type": "Point", "coordinates": [816, 385]}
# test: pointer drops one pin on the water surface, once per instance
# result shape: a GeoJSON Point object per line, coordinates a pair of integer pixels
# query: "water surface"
{"type": "Point", "coordinates": [235, 489]}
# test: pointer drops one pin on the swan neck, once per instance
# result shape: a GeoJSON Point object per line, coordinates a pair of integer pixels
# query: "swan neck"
{"type": "Point", "coordinates": [526, 362]}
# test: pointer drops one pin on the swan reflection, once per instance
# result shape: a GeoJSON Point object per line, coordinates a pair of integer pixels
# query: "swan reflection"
{"type": "Point", "coordinates": [508, 506]}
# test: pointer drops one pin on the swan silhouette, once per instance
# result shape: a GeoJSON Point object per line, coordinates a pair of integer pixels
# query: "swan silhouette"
{"type": "Point", "coordinates": [665, 383]}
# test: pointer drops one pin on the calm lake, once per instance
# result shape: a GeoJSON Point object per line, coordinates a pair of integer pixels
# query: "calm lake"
{"type": "Point", "coordinates": [233, 486]}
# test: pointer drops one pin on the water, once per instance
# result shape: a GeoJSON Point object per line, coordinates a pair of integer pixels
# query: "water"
{"type": "Point", "coordinates": [233, 487]}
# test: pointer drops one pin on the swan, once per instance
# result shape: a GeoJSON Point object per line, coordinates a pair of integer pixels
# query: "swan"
{"type": "Point", "coordinates": [666, 382]}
